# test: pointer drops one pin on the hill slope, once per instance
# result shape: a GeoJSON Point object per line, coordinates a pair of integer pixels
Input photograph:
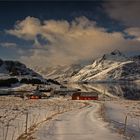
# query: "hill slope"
{"type": "Point", "coordinates": [60, 73]}
{"type": "Point", "coordinates": [14, 72]}
{"type": "Point", "coordinates": [15, 68]}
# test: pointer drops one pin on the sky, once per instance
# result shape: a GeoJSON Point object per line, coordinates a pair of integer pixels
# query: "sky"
{"type": "Point", "coordinates": [51, 33]}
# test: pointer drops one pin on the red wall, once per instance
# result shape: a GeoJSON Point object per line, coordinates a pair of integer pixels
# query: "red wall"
{"type": "Point", "coordinates": [84, 98]}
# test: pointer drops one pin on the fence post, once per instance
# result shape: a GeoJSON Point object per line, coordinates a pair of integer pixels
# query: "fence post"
{"type": "Point", "coordinates": [7, 129]}
{"type": "Point", "coordinates": [125, 125]}
{"type": "Point", "coordinates": [26, 123]}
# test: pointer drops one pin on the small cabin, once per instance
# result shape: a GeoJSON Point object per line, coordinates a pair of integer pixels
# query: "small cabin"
{"type": "Point", "coordinates": [85, 96]}
{"type": "Point", "coordinates": [34, 97]}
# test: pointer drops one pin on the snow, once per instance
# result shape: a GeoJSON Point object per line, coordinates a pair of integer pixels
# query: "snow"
{"type": "Point", "coordinates": [116, 112]}
{"type": "Point", "coordinates": [19, 87]}
{"type": "Point", "coordinates": [15, 69]}
{"type": "Point", "coordinates": [61, 73]}
{"type": "Point", "coordinates": [13, 114]}
{"type": "Point", "coordinates": [109, 68]}
{"type": "Point", "coordinates": [82, 124]}
{"type": "Point", "coordinates": [64, 72]}
{"type": "Point", "coordinates": [64, 119]}
{"type": "Point", "coordinates": [137, 81]}
{"type": "Point", "coordinates": [104, 73]}
{"type": "Point", "coordinates": [109, 90]}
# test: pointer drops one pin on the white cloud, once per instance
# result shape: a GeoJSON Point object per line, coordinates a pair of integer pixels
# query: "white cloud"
{"type": "Point", "coordinates": [26, 29]}
{"type": "Point", "coordinates": [68, 42]}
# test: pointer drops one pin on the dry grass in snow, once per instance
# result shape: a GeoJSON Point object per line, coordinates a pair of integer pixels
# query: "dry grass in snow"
{"type": "Point", "coordinates": [19, 117]}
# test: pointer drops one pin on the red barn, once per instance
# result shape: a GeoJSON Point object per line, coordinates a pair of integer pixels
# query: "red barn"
{"type": "Point", "coordinates": [85, 96]}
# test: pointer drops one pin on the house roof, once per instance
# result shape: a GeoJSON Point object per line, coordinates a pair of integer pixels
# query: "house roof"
{"type": "Point", "coordinates": [87, 94]}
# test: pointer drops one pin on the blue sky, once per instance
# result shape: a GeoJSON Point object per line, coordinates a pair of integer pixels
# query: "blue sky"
{"type": "Point", "coordinates": [49, 31]}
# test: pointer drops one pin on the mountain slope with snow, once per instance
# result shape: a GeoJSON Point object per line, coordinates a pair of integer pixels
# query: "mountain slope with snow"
{"type": "Point", "coordinates": [14, 73]}
{"type": "Point", "coordinates": [60, 73]}
{"type": "Point", "coordinates": [110, 67]}
{"type": "Point", "coordinates": [15, 68]}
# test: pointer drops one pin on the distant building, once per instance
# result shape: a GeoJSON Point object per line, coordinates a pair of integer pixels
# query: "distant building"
{"type": "Point", "coordinates": [85, 96]}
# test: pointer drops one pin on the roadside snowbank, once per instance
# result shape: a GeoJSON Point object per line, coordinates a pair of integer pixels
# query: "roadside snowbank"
{"type": "Point", "coordinates": [125, 115]}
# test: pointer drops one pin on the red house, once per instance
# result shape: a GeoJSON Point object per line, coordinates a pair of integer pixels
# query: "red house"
{"type": "Point", "coordinates": [85, 96]}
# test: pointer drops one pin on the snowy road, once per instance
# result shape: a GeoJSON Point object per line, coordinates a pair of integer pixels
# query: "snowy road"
{"type": "Point", "coordinates": [82, 124]}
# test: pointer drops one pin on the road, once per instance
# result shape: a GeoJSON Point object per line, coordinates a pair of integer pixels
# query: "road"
{"type": "Point", "coordinates": [82, 124]}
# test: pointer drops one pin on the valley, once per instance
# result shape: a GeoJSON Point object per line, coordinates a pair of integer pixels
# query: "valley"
{"type": "Point", "coordinates": [31, 103]}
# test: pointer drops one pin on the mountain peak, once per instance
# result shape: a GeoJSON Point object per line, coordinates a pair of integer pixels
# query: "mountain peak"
{"type": "Point", "coordinates": [115, 55]}
{"type": "Point", "coordinates": [116, 52]}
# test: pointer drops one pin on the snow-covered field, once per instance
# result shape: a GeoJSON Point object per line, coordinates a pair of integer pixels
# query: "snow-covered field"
{"type": "Point", "coordinates": [125, 116]}
{"type": "Point", "coordinates": [65, 119]}
{"type": "Point", "coordinates": [19, 118]}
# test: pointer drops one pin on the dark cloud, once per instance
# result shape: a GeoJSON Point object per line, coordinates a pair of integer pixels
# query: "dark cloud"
{"type": "Point", "coordinates": [126, 11]}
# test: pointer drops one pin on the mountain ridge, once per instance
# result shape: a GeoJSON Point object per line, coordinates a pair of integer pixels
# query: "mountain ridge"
{"type": "Point", "coordinates": [16, 73]}
{"type": "Point", "coordinates": [110, 67]}
{"type": "Point", "coordinates": [114, 66]}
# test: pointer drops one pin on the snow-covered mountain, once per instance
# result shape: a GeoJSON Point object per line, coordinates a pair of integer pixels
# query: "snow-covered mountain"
{"type": "Point", "coordinates": [110, 67]}
{"type": "Point", "coordinates": [60, 73]}
{"type": "Point", "coordinates": [15, 68]}
{"type": "Point", "coordinates": [16, 73]}
{"type": "Point", "coordinates": [64, 73]}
